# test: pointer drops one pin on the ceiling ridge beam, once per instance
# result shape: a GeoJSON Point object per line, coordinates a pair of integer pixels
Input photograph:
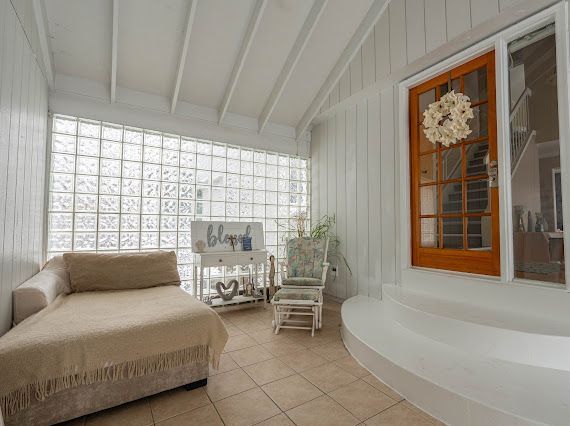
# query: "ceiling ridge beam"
{"type": "Point", "coordinates": [242, 55]}
{"type": "Point", "coordinates": [183, 52]}
{"type": "Point", "coordinates": [349, 52]}
{"type": "Point", "coordinates": [41, 25]}
{"type": "Point", "coordinates": [291, 61]}
{"type": "Point", "coordinates": [114, 42]}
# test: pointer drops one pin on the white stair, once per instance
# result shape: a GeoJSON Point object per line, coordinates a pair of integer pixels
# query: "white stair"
{"type": "Point", "coordinates": [463, 365]}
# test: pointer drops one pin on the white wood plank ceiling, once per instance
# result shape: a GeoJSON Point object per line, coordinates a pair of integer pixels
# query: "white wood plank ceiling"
{"type": "Point", "coordinates": [273, 61]}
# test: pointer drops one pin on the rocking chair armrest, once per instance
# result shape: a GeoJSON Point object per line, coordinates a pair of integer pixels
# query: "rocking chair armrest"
{"type": "Point", "coordinates": [325, 271]}
{"type": "Point", "coordinates": [283, 270]}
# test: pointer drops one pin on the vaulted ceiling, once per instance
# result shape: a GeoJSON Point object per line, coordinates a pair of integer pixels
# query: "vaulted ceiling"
{"type": "Point", "coordinates": [264, 59]}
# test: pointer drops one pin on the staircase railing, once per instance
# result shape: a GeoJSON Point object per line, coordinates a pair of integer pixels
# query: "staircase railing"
{"type": "Point", "coordinates": [521, 132]}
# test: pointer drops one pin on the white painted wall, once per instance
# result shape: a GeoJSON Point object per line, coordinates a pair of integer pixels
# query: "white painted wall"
{"type": "Point", "coordinates": [355, 134]}
{"type": "Point", "coordinates": [23, 127]}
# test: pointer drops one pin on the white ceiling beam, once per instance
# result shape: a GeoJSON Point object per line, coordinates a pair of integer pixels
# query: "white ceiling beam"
{"type": "Point", "coordinates": [114, 50]}
{"type": "Point", "coordinates": [291, 61]}
{"type": "Point", "coordinates": [41, 25]}
{"type": "Point", "coordinates": [242, 55]}
{"type": "Point", "coordinates": [349, 52]}
{"type": "Point", "coordinates": [183, 52]}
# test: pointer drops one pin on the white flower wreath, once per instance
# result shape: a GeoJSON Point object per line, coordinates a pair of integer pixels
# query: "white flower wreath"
{"type": "Point", "coordinates": [455, 109]}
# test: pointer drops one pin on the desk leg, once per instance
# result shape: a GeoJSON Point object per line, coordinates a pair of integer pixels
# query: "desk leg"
{"type": "Point", "coordinates": [202, 283]}
{"type": "Point", "coordinates": [195, 282]}
{"type": "Point", "coordinates": [265, 289]}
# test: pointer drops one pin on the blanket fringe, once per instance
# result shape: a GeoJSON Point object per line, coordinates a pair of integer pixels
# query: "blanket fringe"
{"type": "Point", "coordinates": [20, 399]}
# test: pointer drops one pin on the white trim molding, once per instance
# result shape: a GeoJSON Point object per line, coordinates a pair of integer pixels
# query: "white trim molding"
{"type": "Point", "coordinates": [114, 43]}
{"type": "Point", "coordinates": [39, 13]}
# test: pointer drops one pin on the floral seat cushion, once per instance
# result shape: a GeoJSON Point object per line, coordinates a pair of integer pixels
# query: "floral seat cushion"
{"type": "Point", "coordinates": [305, 257]}
{"type": "Point", "coordinates": [302, 281]}
{"type": "Point", "coordinates": [307, 294]}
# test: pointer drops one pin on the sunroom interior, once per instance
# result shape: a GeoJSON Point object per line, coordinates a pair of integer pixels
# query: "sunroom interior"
{"type": "Point", "coordinates": [284, 212]}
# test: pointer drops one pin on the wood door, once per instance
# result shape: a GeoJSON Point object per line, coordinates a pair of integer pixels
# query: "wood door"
{"type": "Point", "coordinates": [455, 212]}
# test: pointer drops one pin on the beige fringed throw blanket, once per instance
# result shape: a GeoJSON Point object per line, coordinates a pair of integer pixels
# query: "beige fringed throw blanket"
{"type": "Point", "coordinates": [91, 337]}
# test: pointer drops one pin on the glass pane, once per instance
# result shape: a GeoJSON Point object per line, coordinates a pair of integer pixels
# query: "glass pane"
{"type": "Point", "coordinates": [535, 159]}
{"type": "Point", "coordinates": [479, 124]}
{"type": "Point", "coordinates": [429, 233]}
{"type": "Point", "coordinates": [428, 168]}
{"type": "Point", "coordinates": [476, 157]}
{"type": "Point", "coordinates": [475, 85]}
{"type": "Point", "coordinates": [478, 199]}
{"type": "Point", "coordinates": [425, 144]}
{"type": "Point", "coordinates": [453, 232]}
{"type": "Point", "coordinates": [479, 233]}
{"type": "Point", "coordinates": [451, 163]}
{"type": "Point", "coordinates": [428, 200]}
{"type": "Point", "coordinates": [451, 194]}
{"type": "Point", "coordinates": [424, 100]}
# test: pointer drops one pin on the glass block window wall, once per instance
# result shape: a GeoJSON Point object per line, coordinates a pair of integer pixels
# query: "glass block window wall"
{"type": "Point", "coordinates": [115, 188]}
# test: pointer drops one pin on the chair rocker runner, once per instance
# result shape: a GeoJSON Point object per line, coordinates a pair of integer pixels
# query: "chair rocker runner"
{"type": "Point", "coordinates": [302, 282]}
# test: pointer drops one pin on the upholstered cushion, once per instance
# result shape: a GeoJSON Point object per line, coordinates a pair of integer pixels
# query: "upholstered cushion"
{"type": "Point", "coordinates": [40, 290]}
{"type": "Point", "coordinates": [97, 271]}
{"type": "Point", "coordinates": [302, 281]}
{"type": "Point", "coordinates": [307, 294]}
{"type": "Point", "coordinates": [305, 257]}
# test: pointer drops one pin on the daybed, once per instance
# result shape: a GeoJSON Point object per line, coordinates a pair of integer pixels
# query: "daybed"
{"type": "Point", "coordinates": [94, 332]}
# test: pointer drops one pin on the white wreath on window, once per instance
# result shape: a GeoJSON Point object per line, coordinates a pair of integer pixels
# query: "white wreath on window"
{"type": "Point", "coordinates": [455, 110]}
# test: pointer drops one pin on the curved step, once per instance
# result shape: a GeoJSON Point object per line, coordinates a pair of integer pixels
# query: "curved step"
{"type": "Point", "coordinates": [454, 385]}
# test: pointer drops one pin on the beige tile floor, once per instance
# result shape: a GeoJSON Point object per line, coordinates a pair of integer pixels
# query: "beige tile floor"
{"type": "Point", "coordinates": [268, 379]}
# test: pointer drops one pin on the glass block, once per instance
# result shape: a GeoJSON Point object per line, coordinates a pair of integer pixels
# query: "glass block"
{"type": "Point", "coordinates": [271, 158]}
{"type": "Point", "coordinates": [233, 152]}
{"type": "Point", "coordinates": [187, 159]}
{"type": "Point", "coordinates": [63, 163]}
{"type": "Point", "coordinates": [271, 197]}
{"type": "Point", "coordinates": [131, 187]}
{"type": "Point", "coordinates": [283, 172]}
{"type": "Point", "coordinates": [184, 239]}
{"type": "Point", "coordinates": [61, 202]}
{"type": "Point", "coordinates": [232, 195]}
{"type": "Point", "coordinates": [108, 241]}
{"type": "Point", "coordinates": [294, 186]}
{"type": "Point", "coordinates": [259, 197]}
{"type": "Point", "coordinates": [59, 241]}
{"type": "Point", "coordinates": [188, 144]}
{"type": "Point", "coordinates": [62, 124]}
{"type": "Point", "coordinates": [203, 177]}
{"type": "Point", "coordinates": [88, 147]}
{"type": "Point", "coordinates": [271, 171]}
{"type": "Point", "coordinates": [171, 142]}
{"type": "Point", "coordinates": [109, 203]}
{"type": "Point", "coordinates": [184, 223]}
{"type": "Point", "coordinates": [283, 198]}
{"type": "Point", "coordinates": [232, 209]}
{"type": "Point", "coordinates": [132, 135]}
{"type": "Point", "coordinates": [246, 196]}
{"type": "Point", "coordinates": [294, 174]}
{"type": "Point", "coordinates": [151, 188]}
{"type": "Point", "coordinates": [152, 139]}
{"type": "Point", "coordinates": [169, 190]}
{"type": "Point", "coordinates": [185, 272]}
{"type": "Point", "coordinates": [60, 221]}
{"type": "Point", "coordinates": [149, 240]}
{"type": "Point", "coordinates": [186, 207]}
{"type": "Point", "coordinates": [232, 180]}
{"type": "Point", "coordinates": [187, 176]}
{"type": "Point", "coordinates": [259, 157]}
{"type": "Point", "coordinates": [169, 206]}
{"type": "Point", "coordinates": [85, 203]}
{"type": "Point", "coordinates": [170, 173]}
{"type": "Point", "coordinates": [111, 149]}
{"type": "Point", "coordinates": [303, 163]}
{"type": "Point", "coordinates": [151, 172]}
{"type": "Point", "coordinates": [246, 168]}
{"type": "Point", "coordinates": [88, 166]}
{"type": "Point", "coordinates": [203, 147]}
{"type": "Point", "coordinates": [204, 162]}
{"type": "Point", "coordinates": [168, 239]}
{"type": "Point", "coordinates": [130, 222]}
{"type": "Point", "coordinates": [271, 211]}
{"type": "Point", "coordinates": [86, 184]}
{"type": "Point", "coordinates": [303, 188]}
{"type": "Point", "coordinates": [283, 160]}
{"type": "Point", "coordinates": [187, 191]}
{"type": "Point", "coordinates": [132, 170]}
{"type": "Point", "coordinates": [304, 200]}
{"type": "Point", "coordinates": [152, 154]}
{"type": "Point", "coordinates": [150, 222]}
{"type": "Point", "coordinates": [282, 185]}
{"type": "Point", "coordinates": [150, 205]}
{"type": "Point", "coordinates": [132, 152]}
{"type": "Point", "coordinates": [218, 208]}
{"type": "Point", "coordinates": [110, 185]}
{"type": "Point", "coordinates": [293, 199]}
{"type": "Point", "coordinates": [129, 240]}
{"type": "Point", "coordinates": [112, 132]}
{"type": "Point", "coordinates": [271, 238]}
{"type": "Point", "coordinates": [130, 204]}
{"type": "Point", "coordinates": [218, 179]}
{"type": "Point", "coordinates": [246, 182]}
{"type": "Point", "coordinates": [202, 193]}
{"type": "Point", "coordinates": [271, 184]}
{"type": "Point", "coordinates": [85, 222]}
{"type": "Point", "coordinates": [218, 194]}
{"type": "Point", "coordinates": [258, 210]}
{"type": "Point", "coordinates": [245, 210]}
{"type": "Point", "coordinates": [170, 158]}
{"type": "Point", "coordinates": [84, 241]}
{"type": "Point", "coordinates": [303, 175]}
{"type": "Point", "coordinates": [61, 182]}
{"type": "Point", "coordinates": [110, 167]}
{"type": "Point", "coordinates": [259, 169]}
{"type": "Point", "coordinates": [168, 223]}
{"type": "Point", "coordinates": [219, 150]}
{"type": "Point", "coordinates": [63, 143]}
{"type": "Point", "coordinates": [271, 225]}
{"type": "Point", "coordinates": [108, 222]}
{"type": "Point", "coordinates": [203, 208]}
{"type": "Point", "coordinates": [233, 166]}
{"type": "Point", "coordinates": [283, 211]}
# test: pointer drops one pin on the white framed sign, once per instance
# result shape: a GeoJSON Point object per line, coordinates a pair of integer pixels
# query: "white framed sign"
{"type": "Point", "coordinates": [211, 236]}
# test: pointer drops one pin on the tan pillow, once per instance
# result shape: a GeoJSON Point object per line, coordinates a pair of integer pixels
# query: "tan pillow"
{"type": "Point", "coordinates": [98, 271]}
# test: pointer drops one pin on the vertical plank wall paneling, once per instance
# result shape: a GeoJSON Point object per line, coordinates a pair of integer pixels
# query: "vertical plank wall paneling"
{"type": "Point", "coordinates": [23, 127]}
{"type": "Point", "coordinates": [360, 139]}
{"type": "Point", "coordinates": [331, 191]}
